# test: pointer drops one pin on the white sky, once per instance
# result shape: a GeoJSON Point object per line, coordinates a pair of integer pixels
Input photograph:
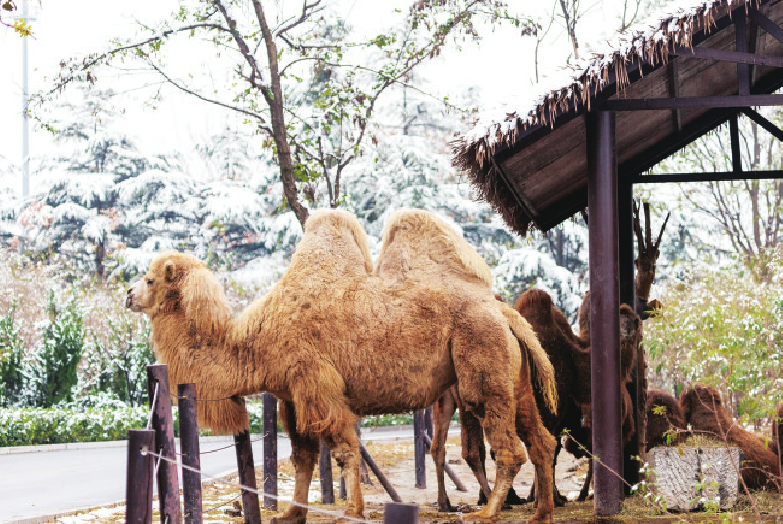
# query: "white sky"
{"type": "Point", "coordinates": [76, 27]}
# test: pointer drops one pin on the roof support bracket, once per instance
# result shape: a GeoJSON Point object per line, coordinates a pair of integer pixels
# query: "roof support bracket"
{"type": "Point", "coordinates": [674, 91]}
{"type": "Point", "coordinates": [763, 122]}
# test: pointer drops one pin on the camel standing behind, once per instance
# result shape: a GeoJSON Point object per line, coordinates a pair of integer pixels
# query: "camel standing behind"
{"type": "Point", "coordinates": [418, 246]}
{"type": "Point", "coordinates": [704, 411]}
{"type": "Point", "coordinates": [580, 442]}
{"type": "Point", "coordinates": [334, 342]}
{"type": "Point", "coordinates": [664, 428]}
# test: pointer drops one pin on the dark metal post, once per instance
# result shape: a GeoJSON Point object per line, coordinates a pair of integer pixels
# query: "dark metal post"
{"type": "Point", "coordinates": [191, 453]}
{"type": "Point", "coordinates": [741, 36]}
{"type": "Point", "coordinates": [247, 477]}
{"type": "Point", "coordinates": [604, 310]}
{"type": "Point", "coordinates": [736, 155]}
{"type": "Point", "coordinates": [163, 424]}
{"type": "Point", "coordinates": [139, 477]}
{"type": "Point", "coordinates": [270, 451]}
{"type": "Point", "coordinates": [378, 473]}
{"type": "Point", "coordinates": [419, 447]}
{"type": "Point", "coordinates": [325, 470]}
{"type": "Point", "coordinates": [628, 296]}
{"type": "Point", "coordinates": [399, 513]}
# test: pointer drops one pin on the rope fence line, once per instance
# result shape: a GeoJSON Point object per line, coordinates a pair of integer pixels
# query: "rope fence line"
{"type": "Point", "coordinates": [260, 493]}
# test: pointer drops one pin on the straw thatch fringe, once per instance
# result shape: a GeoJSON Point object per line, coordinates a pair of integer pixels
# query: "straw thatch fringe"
{"type": "Point", "coordinates": [474, 154]}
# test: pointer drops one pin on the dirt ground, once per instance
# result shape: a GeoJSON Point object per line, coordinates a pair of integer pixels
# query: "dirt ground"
{"type": "Point", "coordinates": [222, 502]}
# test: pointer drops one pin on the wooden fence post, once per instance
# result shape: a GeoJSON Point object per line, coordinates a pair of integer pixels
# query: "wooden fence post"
{"type": "Point", "coordinates": [191, 453]}
{"type": "Point", "coordinates": [325, 471]}
{"type": "Point", "coordinates": [163, 424]}
{"type": "Point", "coordinates": [400, 513]}
{"type": "Point", "coordinates": [138, 480]}
{"type": "Point", "coordinates": [419, 447]}
{"type": "Point", "coordinates": [270, 451]}
{"type": "Point", "coordinates": [247, 477]}
{"type": "Point", "coordinates": [378, 473]}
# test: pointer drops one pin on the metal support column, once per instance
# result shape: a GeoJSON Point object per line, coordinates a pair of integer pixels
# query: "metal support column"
{"type": "Point", "coordinates": [604, 310]}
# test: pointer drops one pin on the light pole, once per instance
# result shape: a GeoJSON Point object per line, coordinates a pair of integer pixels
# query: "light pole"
{"type": "Point", "coordinates": [25, 107]}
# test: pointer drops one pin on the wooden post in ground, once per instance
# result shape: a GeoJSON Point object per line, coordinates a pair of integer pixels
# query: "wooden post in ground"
{"type": "Point", "coordinates": [163, 424]}
{"type": "Point", "coordinates": [399, 513]}
{"type": "Point", "coordinates": [419, 447]}
{"type": "Point", "coordinates": [379, 474]}
{"type": "Point", "coordinates": [325, 470]}
{"type": "Point", "coordinates": [138, 480]}
{"type": "Point", "coordinates": [270, 451]}
{"type": "Point", "coordinates": [604, 310]}
{"type": "Point", "coordinates": [191, 454]}
{"type": "Point", "coordinates": [247, 477]}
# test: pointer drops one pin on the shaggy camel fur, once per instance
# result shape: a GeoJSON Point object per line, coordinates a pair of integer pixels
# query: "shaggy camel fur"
{"type": "Point", "coordinates": [419, 246]}
{"type": "Point", "coordinates": [663, 428]}
{"type": "Point", "coordinates": [777, 429]}
{"type": "Point", "coordinates": [334, 342]}
{"type": "Point", "coordinates": [580, 442]}
{"type": "Point", "coordinates": [704, 411]}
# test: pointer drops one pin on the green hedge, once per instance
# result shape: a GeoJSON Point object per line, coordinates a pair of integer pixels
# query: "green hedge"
{"type": "Point", "coordinates": [34, 426]}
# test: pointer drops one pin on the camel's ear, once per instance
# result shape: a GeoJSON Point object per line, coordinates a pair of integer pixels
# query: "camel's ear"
{"type": "Point", "coordinates": [168, 271]}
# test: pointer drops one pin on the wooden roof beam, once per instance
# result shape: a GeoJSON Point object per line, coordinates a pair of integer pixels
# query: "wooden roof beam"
{"type": "Point", "coordinates": [725, 55]}
{"type": "Point", "coordinates": [660, 104]}
{"type": "Point", "coordinates": [736, 155]}
{"type": "Point", "coordinates": [707, 176]}
{"type": "Point", "coordinates": [766, 24]}
{"type": "Point", "coordinates": [743, 69]}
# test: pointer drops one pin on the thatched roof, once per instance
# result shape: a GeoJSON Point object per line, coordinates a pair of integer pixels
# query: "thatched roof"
{"type": "Point", "coordinates": [529, 159]}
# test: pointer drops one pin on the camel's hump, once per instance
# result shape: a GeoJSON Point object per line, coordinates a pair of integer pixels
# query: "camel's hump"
{"type": "Point", "coordinates": [418, 241]}
{"type": "Point", "coordinates": [335, 234]}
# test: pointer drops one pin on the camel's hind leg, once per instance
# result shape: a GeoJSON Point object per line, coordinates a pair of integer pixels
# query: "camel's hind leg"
{"type": "Point", "coordinates": [304, 454]}
{"type": "Point", "coordinates": [473, 450]}
{"type": "Point", "coordinates": [541, 446]}
{"type": "Point", "coordinates": [442, 411]}
{"type": "Point", "coordinates": [345, 450]}
{"type": "Point", "coordinates": [487, 362]}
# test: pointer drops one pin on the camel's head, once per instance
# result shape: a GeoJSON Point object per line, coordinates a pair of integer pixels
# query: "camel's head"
{"type": "Point", "coordinates": [160, 289]}
{"type": "Point", "coordinates": [629, 339]}
{"type": "Point", "coordinates": [700, 397]}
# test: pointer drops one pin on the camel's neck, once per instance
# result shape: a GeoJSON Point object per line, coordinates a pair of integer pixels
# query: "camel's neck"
{"type": "Point", "coordinates": [198, 355]}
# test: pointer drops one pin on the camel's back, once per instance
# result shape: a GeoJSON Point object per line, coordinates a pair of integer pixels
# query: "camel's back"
{"type": "Point", "coordinates": [419, 244]}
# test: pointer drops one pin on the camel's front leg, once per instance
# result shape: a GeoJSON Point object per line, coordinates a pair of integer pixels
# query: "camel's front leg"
{"type": "Point", "coordinates": [304, 454]}
{"type": "Point", "coordinates": [442, 411]}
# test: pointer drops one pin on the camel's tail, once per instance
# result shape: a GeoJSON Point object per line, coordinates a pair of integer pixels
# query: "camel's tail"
{"type": "Point", "coordinates": [541, 370]}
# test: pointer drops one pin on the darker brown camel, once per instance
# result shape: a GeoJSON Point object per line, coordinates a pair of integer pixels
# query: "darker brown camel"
{"type": "Point", "coordinates": [704, 411]}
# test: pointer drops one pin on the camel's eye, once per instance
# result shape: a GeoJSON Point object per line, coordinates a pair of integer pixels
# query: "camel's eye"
{"type": "Point", "coordinates": [149, 281]}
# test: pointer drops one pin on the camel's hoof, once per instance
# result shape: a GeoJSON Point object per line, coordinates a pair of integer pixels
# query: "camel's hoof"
{"type": "Point", "coordinates": [283, 519]}
{"type": "Point", "coordinates": [537, 519]}
{"type": "Point", "coordinates": [478, 516]}
{"type": "Point", "coordinates": [446, 508]}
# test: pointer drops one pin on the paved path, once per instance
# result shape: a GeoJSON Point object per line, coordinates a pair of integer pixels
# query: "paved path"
{"type": "Point", "coordinates": [52, 480]}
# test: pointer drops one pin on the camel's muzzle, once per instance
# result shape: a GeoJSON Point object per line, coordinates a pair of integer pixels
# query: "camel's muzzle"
{"type": "Point", "coordinates": [129, 299]}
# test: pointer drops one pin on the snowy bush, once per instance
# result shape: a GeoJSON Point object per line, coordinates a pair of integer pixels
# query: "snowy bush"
{"type": "Point", "coordinates": [51, 373]}
{"type": "Point", "coordinates": [11, 359]}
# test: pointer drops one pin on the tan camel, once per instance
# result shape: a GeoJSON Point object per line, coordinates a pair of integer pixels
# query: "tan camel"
{"type": "Point", "coordinates": [419, 246]}
{"type": "Point", "coordinates": [334, 342]}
